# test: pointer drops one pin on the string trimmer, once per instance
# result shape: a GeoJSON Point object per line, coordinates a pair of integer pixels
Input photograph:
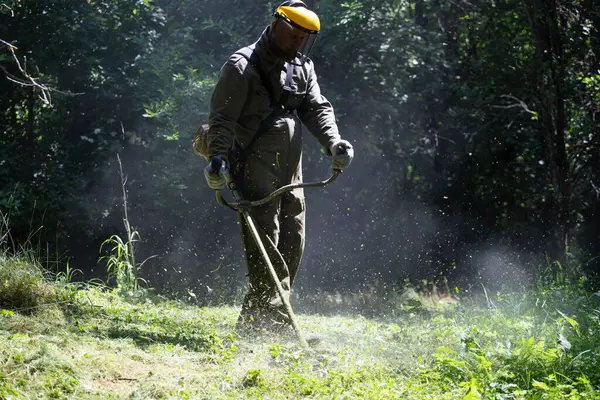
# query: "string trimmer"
{"type": "Point", "coordinates": [243, 206]}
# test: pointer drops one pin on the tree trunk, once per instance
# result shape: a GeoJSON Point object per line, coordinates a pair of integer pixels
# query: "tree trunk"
{"type": "Point", "coordinates": [551, 73]}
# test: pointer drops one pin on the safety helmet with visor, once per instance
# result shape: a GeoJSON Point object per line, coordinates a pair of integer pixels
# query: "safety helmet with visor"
{"type": "Point", "coordinates": [297, 16]}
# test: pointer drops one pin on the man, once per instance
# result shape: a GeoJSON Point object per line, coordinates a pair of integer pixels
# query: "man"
{"type": "Point", "coordinates": [263, 94]}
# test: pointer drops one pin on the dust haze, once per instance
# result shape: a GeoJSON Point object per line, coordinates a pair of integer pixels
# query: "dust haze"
{"type": "Point", "coordinates": [365, 232]}
{"type": "Point", "coordinates": [359, 243]}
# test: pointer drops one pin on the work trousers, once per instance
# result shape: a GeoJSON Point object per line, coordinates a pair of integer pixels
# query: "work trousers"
{"type": "Point", "coordinates": [273, 160]}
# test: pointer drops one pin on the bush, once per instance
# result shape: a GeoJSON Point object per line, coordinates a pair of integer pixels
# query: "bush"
{"type": "Point", "coordinates": [23, 287]}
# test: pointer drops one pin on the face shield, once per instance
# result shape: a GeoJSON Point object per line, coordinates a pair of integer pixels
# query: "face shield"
{"type": "Point", "coordinates": [302, 27]}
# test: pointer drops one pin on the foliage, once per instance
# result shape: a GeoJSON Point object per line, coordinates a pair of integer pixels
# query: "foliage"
{"type": "Point", "coordinates": [473, 130]}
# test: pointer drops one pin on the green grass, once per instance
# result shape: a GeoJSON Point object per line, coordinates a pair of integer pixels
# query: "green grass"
{"type": "Point", "coordinates": [63, 341]}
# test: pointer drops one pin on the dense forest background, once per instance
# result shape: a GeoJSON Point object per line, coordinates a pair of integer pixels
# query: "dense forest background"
{"type": "Point", "coordinates": [475, 126]}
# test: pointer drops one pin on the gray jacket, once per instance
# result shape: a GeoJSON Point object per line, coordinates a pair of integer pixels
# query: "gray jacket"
{"type": "Point", "coordinates": [240, 101]}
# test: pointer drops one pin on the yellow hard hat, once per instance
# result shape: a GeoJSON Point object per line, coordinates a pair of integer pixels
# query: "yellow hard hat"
{"type": "Point", "coordinates": [298, 15]}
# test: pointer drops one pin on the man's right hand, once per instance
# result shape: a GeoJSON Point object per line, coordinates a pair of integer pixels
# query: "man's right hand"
{"type": "Point", "coordinates": [343, 154]}
{"type": "Point", "coordinates": [215, 180]}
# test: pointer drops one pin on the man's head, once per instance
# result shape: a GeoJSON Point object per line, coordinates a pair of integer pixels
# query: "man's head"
{"type": "Point", "coordinates": [294, 30]}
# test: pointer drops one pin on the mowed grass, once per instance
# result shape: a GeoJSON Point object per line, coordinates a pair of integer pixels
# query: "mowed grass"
{"type": "Point", "coordinates": [61, 340]}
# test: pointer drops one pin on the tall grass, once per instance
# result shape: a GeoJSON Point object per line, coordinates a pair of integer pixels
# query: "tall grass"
{"type": "Point", "coordinates": [24, 283]}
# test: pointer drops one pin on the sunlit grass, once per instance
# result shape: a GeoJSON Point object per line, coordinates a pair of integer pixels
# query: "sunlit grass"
{"type": "Point", "coordinates": [93, 343]}
{"type": "Point", "coordinates": [22, 284]}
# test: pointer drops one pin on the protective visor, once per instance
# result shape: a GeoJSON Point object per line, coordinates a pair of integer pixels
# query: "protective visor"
{"type": "Point", "coordinates": [304, 20]}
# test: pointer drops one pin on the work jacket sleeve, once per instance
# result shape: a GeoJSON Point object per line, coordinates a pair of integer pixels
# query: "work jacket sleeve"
{"type": "Point", "coordinates": [226, 105]}
{"type": "Point", "coordinates": [316, 112]}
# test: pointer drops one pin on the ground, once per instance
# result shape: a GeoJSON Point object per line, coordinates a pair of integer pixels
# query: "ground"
{"type": "Point", "coordinates": [98, 344]}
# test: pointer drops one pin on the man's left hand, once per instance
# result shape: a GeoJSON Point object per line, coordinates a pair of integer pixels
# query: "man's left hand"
{"type": "Point", "coordinates": [213, 177]}
{"type": "Point", "coordinates": [343, 154]}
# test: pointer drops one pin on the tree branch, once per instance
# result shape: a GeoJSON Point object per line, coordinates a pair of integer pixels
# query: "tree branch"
{"type": "Point", "coordinates": [29, 80]}
{"type": "Point", "coordinates": [596, 189]}
{"type": "Point", "coordinates": [10, 46]}
{"type": "Point", "coordinates": [4, 5]}
{"type": "Point", "coordinates": [460, 5]}
{"type": "Point", "coordinates": [520, 103]}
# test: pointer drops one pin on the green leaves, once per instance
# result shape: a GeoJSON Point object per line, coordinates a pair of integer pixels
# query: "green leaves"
{"type": "Point", "coordinates": [574, 324]}
{"type": "Point", "coordinates": [119, 264]}
{"type": "Point", "coordinates": [473, 392]}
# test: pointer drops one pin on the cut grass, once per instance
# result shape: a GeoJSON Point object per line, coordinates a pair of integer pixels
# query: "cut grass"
{"type": "Point", "coordinates": [100, 345]}
{"type": "Point", "coordinates": [22, 285]}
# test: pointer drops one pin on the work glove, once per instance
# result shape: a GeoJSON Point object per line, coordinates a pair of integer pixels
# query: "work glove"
{"type": "Point", "coordinates": [343, 153]}
{"type": "Point", "coordinates": [215, 180]}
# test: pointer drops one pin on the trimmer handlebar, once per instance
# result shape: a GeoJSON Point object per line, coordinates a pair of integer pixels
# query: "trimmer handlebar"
{"type": "Point", "coordinates": [220, 166]}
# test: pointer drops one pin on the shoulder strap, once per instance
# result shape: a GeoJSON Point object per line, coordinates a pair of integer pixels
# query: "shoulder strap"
{"type": "Point", "coordinates": [253, 58]}
{"type": "Point", "coordinates": [287, 87]}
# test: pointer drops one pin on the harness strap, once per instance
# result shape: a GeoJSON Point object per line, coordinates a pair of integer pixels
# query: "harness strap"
{"type": "Point", "coordinates": [237, 156]}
